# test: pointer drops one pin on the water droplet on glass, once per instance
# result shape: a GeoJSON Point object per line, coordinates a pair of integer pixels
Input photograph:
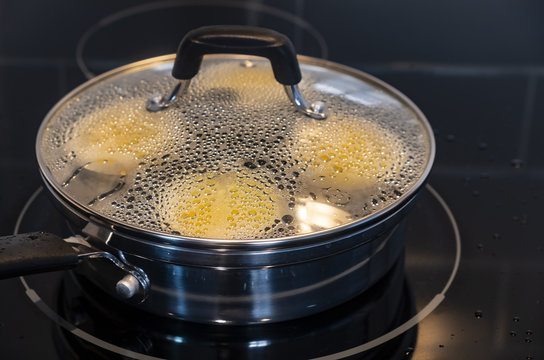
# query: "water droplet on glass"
{"type": "Point", "coordinates": [409, 351]}
{"type": "Point", "coordinates": [336, 196]}
{"type": "Point", "coordinates": [529, 332]}
{"type": "Point", "coordinates": [441, 345]}
{"type": "Point", "coordinates": [497, 236]}
{"type": "Point", "coordinates": [528, 340]}
{"type": "Point", "coordinates": [478, 314]}
{"type": "Point", "coordinates": [516, 163]}
{"type": "Point", "coordinates": [475, 193]}
{"type": "Point", "coordinates": [247, 64]}
{"type": "Point", "coordinates": [287, 219]}
{"type": "Point", "coordinates": [480, 246]}
{"type": "Point", "coordinates": [515, 319]}
{"type": "Point", "coordinates": [250, 165]}
{"type": "Point", "coordinates": [482, 146]}
{"type": "Point", "coordinates": [513, 333]}
{"type": "Point", "coordinates": [450, 138]}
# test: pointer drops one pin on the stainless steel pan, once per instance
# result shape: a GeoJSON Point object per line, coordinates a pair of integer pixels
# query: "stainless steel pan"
{"type": "Point", "coordinates": [322, 204]}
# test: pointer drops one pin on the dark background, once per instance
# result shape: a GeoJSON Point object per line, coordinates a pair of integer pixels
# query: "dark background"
{"type": "Point", "coordinates": [474, 67]}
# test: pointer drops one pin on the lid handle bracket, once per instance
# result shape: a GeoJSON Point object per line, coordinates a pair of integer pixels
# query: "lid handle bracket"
{"type": "Point", "coordinates": [235, 39]}
{"type": "Point", "coordinates": [317, 109]}
{"type": "Point", "coordinates": [159, 102]}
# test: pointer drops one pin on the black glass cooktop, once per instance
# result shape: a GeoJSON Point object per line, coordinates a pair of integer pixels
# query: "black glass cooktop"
{"type": "Point", "coordinates": [471, 283]}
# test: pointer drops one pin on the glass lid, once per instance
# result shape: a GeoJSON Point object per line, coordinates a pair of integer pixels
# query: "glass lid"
{"type": "Point", "coordinates": [233, 157]}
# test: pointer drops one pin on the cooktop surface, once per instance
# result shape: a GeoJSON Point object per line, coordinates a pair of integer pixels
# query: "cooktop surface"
{"type": "Point", "coordinates": [470, 283]}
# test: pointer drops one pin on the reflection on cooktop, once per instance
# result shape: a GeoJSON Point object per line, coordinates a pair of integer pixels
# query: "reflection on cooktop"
{"type": "Point", "coordinates": [382, 308]}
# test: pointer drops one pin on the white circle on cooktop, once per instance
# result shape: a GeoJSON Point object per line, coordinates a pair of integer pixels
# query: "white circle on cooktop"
{"type": "Point", "coordinates": [254, 7]}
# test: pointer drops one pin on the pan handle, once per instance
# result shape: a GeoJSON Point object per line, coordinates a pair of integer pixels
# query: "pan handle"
{"type": "Point", "coordinates": [36, 252]}
{"type": "Point", "coordinates": [237, 39]}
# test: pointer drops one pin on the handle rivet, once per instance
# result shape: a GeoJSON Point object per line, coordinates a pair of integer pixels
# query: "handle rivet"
{"type": "Point", "coordinates": [127, 287]}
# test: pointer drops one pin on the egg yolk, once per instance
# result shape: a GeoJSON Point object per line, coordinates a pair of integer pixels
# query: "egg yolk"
{"type": "Point", "coordinates": [227, 206]}
{"type": "Point", "coordinates": [345, 152]}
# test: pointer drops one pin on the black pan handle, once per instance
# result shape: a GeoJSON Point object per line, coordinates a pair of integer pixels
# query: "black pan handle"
{"type": "Point", "coordinates": [235, 39]}
{"type": "Point", "coordinates": [30, 253]}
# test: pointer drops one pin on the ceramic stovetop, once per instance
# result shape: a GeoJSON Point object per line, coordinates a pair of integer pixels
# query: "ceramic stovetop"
{"type": "Point", "coordinates": [471, 283]}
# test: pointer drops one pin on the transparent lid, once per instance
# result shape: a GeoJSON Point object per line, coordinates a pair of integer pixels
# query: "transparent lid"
{"type": "Point", "coordinates": [233, 158]}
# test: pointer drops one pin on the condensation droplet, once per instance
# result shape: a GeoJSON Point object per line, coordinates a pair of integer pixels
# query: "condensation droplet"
{"type": "Point", "coordinates": [250, 165]}
{"type": "Point", "coordinates": [336, 196]}
{"type": "Point", "coordinates": [478, 314]}
{"type": "Point", "coordinates": [247, 64]}
{"type": "Point", "coordinates": [287, 219]}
